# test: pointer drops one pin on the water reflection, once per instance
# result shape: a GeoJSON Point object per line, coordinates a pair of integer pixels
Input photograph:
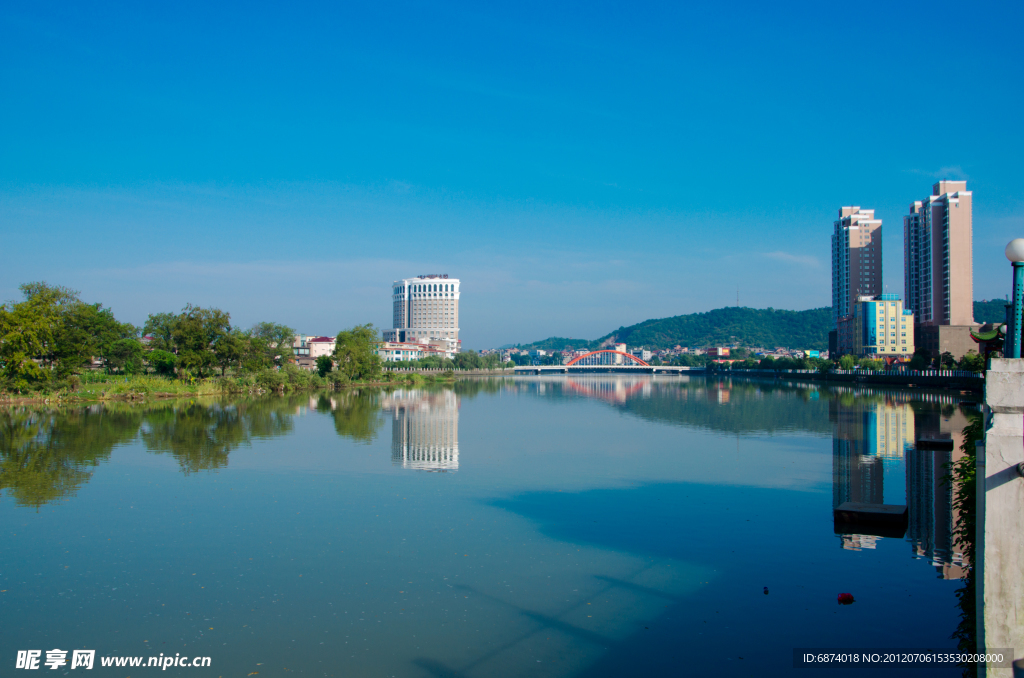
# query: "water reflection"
{"type": "Point", "coordinates": [356, 414]}
{"type": "Point", "coordinates": [424, 429]}
{"type": "Point", "coordinates": [930, 496]}
{"type": "Point", "coordinates": [46, 454]}
{"type": "Point", "coordinates": [611, 390]}
{"type": "Point", "coordinates": [875, 460]}
{"type": "Point", "coordinates": [613, 534]}
{"type": "Point", "coordinates": [869, 442]}
{"type": "Point", "coordinates": [873, 431]}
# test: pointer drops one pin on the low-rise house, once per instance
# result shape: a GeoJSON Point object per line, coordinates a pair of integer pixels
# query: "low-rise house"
{"type": "Point", "coordinates": [399, 351]}
{"type": "Point", "coordinates": [308, 348]}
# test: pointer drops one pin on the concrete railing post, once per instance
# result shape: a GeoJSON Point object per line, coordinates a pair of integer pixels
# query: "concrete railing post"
{"type": "Point", "coordinates": [1000, 548]}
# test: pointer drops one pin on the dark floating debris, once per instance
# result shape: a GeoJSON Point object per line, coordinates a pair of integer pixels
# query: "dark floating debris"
{"type": "Point", "coordinates": [846, 599]}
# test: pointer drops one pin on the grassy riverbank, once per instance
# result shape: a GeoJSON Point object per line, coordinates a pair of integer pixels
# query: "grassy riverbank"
{"type": "Point", "coordinates": [95, 386]}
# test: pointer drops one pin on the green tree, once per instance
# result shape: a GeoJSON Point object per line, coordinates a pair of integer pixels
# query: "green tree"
{"type": "Point", "coordinates": [972, 361]}
{"type": "Point", "coordinates": [256, 354]}
{"type": "Point", "coordinates": [125, 355]}
{"type": "Point", "coordinates": [195, 332]}
{"type": "Point", "coordinates": [160, 326]}
{"type": "Point", "coordinates": [229, 350]}
{"type": "Point", "coordinates": [277, 340]}
{"type": "Point", "coordinates": [26, 330]}
{"type": "Point", "coordinates": [324, 365]}
{"type": "Point", "coordinates": [847, 362]}
{"type": "Point", "coordinates": [163, 362]}
{"type": "Point", "coordinates": [468, 360]}
{"type": "Point", "coordinates": [51, 328]}
{"type": "Point", "coordinates": [921, 360]}
{"type": "Point", "coordinates": [83, 331]}
{"type": "Point", "coordinates": [947, 361]}
{"type": "Point", "coordinates": [355, 351]}
{"type": "Point", "coordinates": [869, 364]}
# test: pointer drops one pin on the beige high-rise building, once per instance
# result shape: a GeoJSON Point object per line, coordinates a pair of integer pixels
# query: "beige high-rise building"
{"type": "Point", "coordinates": [938, 271]}
{"type": "Point", "coordinates": [426, 309]}
{"type": "Point", "coordinates": [856, 259]}
{"type": "Point", "coordinates": [938, 275]}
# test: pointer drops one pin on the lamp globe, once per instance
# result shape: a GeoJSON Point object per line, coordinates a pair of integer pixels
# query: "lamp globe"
{"type": "Point", "coordinates": [1015, 250]}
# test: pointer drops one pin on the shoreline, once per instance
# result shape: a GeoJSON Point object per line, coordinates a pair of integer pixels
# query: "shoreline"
{"type": "Point", "coordinates": [77, 398]}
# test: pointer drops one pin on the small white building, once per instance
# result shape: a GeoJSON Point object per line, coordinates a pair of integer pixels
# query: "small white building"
{"type": "Point", "coordinates": [395, 351]}
{"type": "Point", "coordinates": [319, 346]}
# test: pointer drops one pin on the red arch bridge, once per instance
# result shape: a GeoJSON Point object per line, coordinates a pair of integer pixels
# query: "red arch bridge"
{"type": "Point", "coordinates": [606, 360]}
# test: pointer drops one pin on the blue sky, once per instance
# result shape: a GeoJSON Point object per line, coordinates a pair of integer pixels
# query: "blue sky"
{"type": "Point", "coordinates": [579, 166]}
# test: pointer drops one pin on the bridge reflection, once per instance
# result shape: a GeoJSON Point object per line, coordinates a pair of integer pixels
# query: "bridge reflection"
{"type": "Point", "coordinates": [613, 390]}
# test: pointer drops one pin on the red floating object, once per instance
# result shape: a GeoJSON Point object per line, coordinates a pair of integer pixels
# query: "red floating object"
{"type": "Point", "coordinates": [845, 598]}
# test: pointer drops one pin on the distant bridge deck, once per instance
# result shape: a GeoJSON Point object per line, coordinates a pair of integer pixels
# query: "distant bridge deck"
{"type": "Point", "coordinates": [604, 369]}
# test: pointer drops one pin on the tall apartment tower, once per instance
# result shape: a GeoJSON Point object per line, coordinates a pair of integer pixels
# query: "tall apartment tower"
{"type": "Point", "coordinates": [856, 259]}
{"type": "Point", "coordinates": [938, 274]}
{"type": "Point", "coordinates": [426, 309]}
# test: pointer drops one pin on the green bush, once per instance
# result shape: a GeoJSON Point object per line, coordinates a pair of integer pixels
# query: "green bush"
{"type": "Point", "coordinates": [324, 365]}
{"type": "Point", "coordinates": [163, 362]}
{"type": "Point", "coordinates": [338, 379]}
{"type": "Point", "coordinates": [270, 379]}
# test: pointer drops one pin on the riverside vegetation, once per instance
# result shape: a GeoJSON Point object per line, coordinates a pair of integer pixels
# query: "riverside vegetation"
{"type": "Point", "coordinates": [53, 344]}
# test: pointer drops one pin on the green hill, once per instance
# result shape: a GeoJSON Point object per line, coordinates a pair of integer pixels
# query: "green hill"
{"type": "Point", "coordinates": [993, 311]}
{"type": "Point", "coordinates": [766, 327]}
{"type": "Point", "coordinates": [731, 325]}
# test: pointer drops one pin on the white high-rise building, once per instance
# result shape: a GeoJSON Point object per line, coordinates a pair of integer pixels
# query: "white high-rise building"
{"type": "Point", "coordinates": [426, 310]}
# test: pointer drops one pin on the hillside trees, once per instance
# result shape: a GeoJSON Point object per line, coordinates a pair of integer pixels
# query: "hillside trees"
{"type": "Point", "coordinates": [721, 327]}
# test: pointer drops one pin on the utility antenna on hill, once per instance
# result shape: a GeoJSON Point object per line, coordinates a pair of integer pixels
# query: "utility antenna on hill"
{"type": "Point", "coordinates": [737, 296]}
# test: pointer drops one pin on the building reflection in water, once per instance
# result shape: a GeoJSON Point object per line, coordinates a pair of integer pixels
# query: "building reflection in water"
{"type": "Point", "coordinates": [875, 461]}
{"type": "Point", "coordinates": [930, 496]}
{"type": "Point", "coordinates": [424, 429]}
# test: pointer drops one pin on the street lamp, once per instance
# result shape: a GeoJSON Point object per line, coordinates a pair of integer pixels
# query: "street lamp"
{"type": "Point", "coordinates": [1015, 253]}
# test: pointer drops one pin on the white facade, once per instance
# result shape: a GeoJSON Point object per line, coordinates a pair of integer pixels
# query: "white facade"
{"type": "Point", "coordinates": [395, 351]}
{"type": "Point", "coordinates": [321, 346]}
{"type": "Point", "coordinates": [426, 308]}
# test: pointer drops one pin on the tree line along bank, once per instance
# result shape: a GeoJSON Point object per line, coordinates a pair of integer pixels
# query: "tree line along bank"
{"type": "Point", "coordinates": [51, 342]}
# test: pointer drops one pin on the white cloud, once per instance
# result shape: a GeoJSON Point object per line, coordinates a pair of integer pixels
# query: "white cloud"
{"type": "Point", "coordinates": [789, 258]}
{"type": "Point", "coordinates": [951, 172]}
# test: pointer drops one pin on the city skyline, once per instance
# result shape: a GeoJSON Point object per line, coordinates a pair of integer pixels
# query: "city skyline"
{"type": "Point", "coordinates": [584, 169]}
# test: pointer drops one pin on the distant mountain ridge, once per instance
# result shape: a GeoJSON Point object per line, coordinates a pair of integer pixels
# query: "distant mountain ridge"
{"type": "Point", "coordinates": [767, 327]}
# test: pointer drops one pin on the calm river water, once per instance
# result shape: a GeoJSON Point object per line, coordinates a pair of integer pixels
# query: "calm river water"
{"type": "Point", "coordinates": [543, 526]}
